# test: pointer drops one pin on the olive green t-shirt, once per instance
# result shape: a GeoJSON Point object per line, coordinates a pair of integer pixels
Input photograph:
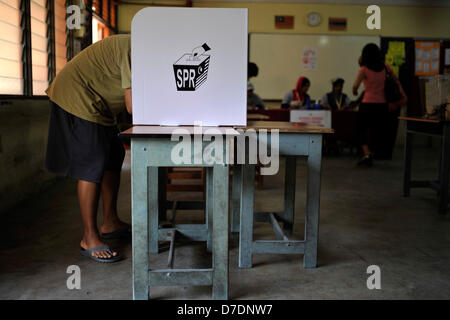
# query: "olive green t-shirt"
{"type": "Point", "coordinates": [91, 85]}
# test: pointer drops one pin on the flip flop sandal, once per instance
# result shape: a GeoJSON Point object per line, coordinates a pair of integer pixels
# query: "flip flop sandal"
{"type": "Point", "coordinates": [123, 233]}
{"type": "Point", "coordinates": [88, 253]}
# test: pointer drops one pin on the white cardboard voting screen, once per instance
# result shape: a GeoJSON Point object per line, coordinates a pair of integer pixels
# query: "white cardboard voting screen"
{"type": "Point", "coordinates": [189, 65]}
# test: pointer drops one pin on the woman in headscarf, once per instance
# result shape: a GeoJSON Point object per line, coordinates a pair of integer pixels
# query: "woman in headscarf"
{"type": "Point", "coordinates": [336, 99]}
{"type": "Point", "coordinates": [298, 97]}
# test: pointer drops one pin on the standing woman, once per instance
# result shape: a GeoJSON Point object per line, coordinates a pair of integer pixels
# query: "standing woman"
{"type": "Point", "coordinates": [298, 97]}
{"type": "Point", "coordinates": [374, 109]}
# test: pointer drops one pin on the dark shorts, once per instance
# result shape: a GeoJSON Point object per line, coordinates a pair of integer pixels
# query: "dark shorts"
{"type": "Point", "coordinates": [372, 123]}
{"type": "Point", "coordinates": [81, 149]}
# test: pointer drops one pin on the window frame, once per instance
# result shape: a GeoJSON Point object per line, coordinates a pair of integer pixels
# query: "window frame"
{"type": "Point", "coordinates": [26, 58]}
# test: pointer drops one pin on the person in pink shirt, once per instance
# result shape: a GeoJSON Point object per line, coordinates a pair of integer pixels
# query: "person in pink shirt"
{"type": "Point", "coordinates": [373, 110]}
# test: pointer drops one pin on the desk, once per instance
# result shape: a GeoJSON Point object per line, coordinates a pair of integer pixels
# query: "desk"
{"type": "Point", "coordinates": [438, 128]}
{"type": "Point", "coordinates": [294, 140]}
{"type": "Point", "coordinates": [274, 114]}
{"type": "Point", "coordinates": [257, 116]}
{"type": "Point", "coordinates": [151, 151]}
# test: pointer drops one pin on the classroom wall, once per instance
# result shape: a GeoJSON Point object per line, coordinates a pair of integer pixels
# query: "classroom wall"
{"type": "Point", "coordinates": [23, 136]}
{"type": "Point", "coordinates": [420, 22]}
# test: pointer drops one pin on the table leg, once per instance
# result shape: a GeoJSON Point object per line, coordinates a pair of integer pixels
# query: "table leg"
{"type": "Point", "coordinates": [289, 194]}
{"type": "Point", "coordinates": [220, 232]}
{"type": "Point", "coordinates": [246, 221]}
{"type": "Point", "coordinates": [444, 171]}
{"type": "Point", "coordinates": [408, 162]}
{"type": "Point", "coordinates": [314, 164]}
{"type": "Point", "coordinates": [162, 201]}
{"type": "Point", "coordinates": [153, 209]}
{"type": "Point", "coordinates": [236, 195]}
{"type": "Point", "coordinates": [139, 225]}
{"type": "Point", "coordinates": [209, 207]}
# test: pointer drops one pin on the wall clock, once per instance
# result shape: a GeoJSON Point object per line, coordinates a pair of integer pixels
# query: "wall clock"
{"type": "Point", "coordinates": [313, 19]}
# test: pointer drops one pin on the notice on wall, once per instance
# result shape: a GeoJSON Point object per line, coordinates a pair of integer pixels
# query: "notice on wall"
{"type": "Point", "coordinates": [447, 57]}
{"type": "Point", "coordinates": [427, 58]}
{"type": "Point", "coordinates": [309, 59]}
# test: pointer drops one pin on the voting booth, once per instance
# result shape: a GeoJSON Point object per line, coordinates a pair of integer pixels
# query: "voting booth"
{"type": "Point", "coordinates": [321, 118]}
{"type": "Point", "coordinates": [189, 65]}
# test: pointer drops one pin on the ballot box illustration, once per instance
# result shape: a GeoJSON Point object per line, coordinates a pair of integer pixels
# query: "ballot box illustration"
{"type": "Point", "coordinates": [191, 71]}
{"type": "Point", "coordinates": [189, 66]}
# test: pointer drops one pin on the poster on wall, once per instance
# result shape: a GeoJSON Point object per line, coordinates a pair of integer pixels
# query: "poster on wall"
{"type": "Point", "coordinates": [395, 56]}
{"type": "Point", "coordinates": [427, 58]}
{"type": "Point", "coordinates": [309, 59]}
{"type": "Point", "coordinates": [189, 65]}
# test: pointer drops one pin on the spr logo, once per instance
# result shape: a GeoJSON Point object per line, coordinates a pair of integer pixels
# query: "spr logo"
{"type": "Point", "coordinates": [191, 70]}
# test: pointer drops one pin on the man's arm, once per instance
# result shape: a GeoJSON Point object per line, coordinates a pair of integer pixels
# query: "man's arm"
{"type": "Point", "coordinates": [128, 102]}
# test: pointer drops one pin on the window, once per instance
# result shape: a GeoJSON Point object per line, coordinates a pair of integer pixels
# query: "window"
{"type": "Point", "coordinates": [39, 44]}
{"type": "Point", "coordinates": [105, 13]}
{"type": "Point", "coordinates": [11, 74]}
{"type": "Point", "coordinates": [60, 35]}
{"type": "Point", "coordinates": [101, 19]}
{"type": "Point", "coordinates": [34, 42]}
{"type": "Point", "coordinates": [112, 16]}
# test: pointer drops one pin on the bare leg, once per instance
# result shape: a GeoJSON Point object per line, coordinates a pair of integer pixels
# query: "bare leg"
{"type": "Point", "coordinates": [109, 191]}
{"type": "Point", "coordinates": [366, 150]}
{"type": "Point", "coordinates": [88, 196]}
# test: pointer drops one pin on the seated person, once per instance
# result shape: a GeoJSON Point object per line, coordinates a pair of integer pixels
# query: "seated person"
{"type": "Point", "coordinates": [254, 102]}
{"type": "Point", "coordinates": [298, 98]}
{"type": "Point", "coordinates": [336, 100]}
{"type": "Point", "coordinates": [252, 70]}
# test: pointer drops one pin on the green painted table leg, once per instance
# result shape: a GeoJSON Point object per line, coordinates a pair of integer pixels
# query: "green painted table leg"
{"type": "Point", "coordinates": [444, 171]}
{"type": "Point", "coordinates": [220, 232]}
{"type": "Point", "coordinates": [408, 163]}
{"type": "Point", "coordinates": [236, 195]}
{"type": "Point", "coordinates": [209, 207]}
{"type": "Point", "coordinates": [289, 194]}
{"type": "Point", "coordinates": [139, 223]}
{"type": "Point", "coordinates": [153, 209]}
{"type": "Point", "coordinates": [313, 201]}
{"type": "Point", "coordinates": [246, 210]}
{"type": "Point", "coordinates": [162, 192]}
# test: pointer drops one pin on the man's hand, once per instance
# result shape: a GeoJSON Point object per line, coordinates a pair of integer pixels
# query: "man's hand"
{"type": "Point", "coordinates": [128, 102]}
{"type": "Point", "coordinates": [295, 103]}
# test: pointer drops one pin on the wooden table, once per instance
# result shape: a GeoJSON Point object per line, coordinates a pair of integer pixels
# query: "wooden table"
{"type": "Point", "coordinates": [151, 148]}
{"type": "Point", "coordinates": [257, 116]}
{"type": "Point", "coordinates": [438, 128]}
{"type": "Point", "coordinates": [295, 140]}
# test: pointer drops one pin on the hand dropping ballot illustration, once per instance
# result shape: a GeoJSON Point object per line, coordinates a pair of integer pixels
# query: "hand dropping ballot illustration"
{"type": "Point", "coordinates": [191, 70]}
